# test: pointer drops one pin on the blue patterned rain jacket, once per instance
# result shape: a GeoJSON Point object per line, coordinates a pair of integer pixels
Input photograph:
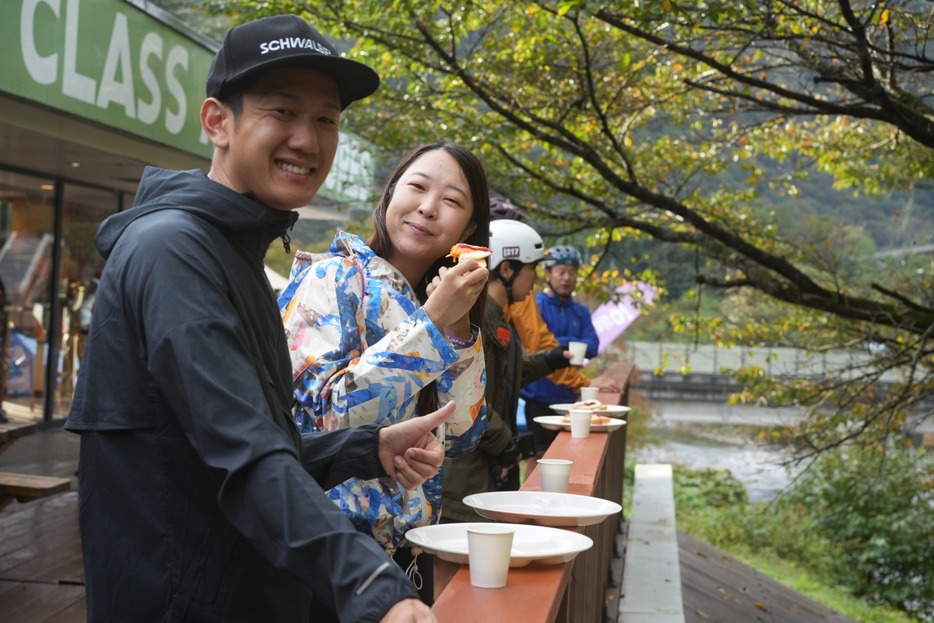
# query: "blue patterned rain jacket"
{"type": "Point", "coordinates": [362, 348]}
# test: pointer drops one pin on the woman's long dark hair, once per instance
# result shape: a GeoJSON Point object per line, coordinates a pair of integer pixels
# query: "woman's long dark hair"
{"type": "Point", "coordinates": [476, 180]}
{"type": "Point", "coordinates": [381, 244]}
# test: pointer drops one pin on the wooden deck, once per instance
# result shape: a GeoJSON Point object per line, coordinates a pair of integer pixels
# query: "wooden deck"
{"type": "Point", "coordinates": [41, 575]}
{"type": "Point", "coordinates": [718, 587]}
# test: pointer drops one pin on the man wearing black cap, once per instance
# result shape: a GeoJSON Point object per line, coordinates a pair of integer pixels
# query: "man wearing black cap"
{"type": "Point", "coordinates": [196, 494]}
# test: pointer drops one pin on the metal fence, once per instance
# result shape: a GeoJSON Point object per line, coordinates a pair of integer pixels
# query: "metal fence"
{"type": "Point", "coordinates": [675, 358]}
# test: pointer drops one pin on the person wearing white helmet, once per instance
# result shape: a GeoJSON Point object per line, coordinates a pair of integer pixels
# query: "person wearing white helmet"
{"type": "Point", "coordinates": [516, 250]}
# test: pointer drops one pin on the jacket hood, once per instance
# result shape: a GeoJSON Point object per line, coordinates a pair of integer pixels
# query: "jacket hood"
{"type": "Point", "coordinates": [346, 244]}
{"type": "Point", "coordinates": [193, 192]}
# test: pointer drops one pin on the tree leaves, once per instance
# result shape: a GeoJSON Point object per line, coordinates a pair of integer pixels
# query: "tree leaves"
{"type": "Point", "coordinates": [688, 123]}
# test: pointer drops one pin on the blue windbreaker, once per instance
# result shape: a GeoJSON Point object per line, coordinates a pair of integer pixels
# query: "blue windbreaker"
{"type": "Point", "coordinates": [569, 321]}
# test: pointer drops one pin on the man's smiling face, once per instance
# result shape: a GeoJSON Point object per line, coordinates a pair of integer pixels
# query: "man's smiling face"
{"type": "Point", "coordinates": [281, 147]}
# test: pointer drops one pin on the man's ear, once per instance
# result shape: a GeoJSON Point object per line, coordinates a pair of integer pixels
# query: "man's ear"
{"type": "Point", "coordinates": [217, 120]}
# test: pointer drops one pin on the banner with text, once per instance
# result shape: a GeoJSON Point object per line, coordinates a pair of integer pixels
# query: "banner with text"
{"type": "Point", "coordinates": [612, 318]}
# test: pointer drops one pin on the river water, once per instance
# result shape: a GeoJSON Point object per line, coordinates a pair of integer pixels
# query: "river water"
{"type": "Point", "coordinates": [699, 435]}
{"type": "Point", "coordinates": [756, 464]}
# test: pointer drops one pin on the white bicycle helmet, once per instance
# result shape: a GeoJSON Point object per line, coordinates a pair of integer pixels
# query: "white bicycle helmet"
{"type": "Point", "coordinates": [512, 240]}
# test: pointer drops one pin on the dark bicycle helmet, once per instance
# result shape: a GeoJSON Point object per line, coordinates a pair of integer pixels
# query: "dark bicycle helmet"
{"type": "Point", "coordinates": [562, 254]}
{"type": "Point", "coordinates": [503, 209]}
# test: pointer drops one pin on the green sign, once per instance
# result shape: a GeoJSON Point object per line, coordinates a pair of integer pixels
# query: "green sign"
{"type": "Point", "coordinates": [107, 61]}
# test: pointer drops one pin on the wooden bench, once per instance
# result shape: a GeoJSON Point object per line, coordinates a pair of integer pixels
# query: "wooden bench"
{"type": "Point", "coordinates": [29, 487]}
{"type": "Point", "coordinates": [652, 573]}
{"type": "Point", "coordinates": [13, 430]}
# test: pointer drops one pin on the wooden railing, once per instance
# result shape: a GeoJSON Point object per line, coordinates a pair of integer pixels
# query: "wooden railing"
{"type": "Point", "coordinates": [573, 591]}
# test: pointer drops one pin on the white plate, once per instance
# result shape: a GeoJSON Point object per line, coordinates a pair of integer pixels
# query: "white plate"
{"type": "Point", "coordinates": [610, 410]}
{"type": "Point", "coordinates": [540, 507]}
{"type": "Point", "coordinates": [547, 546]}
{"type": "Point", "coordinates": [556, 422]}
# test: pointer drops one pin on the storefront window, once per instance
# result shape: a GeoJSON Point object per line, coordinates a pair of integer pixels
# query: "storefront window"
{"type": "Point", "coordinates": [27, 213]}
{"type": "Point", "coordinates": [27, 253]}
{"type": "Point", "coordinates": [84, 209]}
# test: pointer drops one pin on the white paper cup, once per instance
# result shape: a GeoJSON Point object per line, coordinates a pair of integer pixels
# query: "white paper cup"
{"type": "Point", "coordinates": [580, 423]}
{"type": "Point", "coordinates": [554, 474]}
{"type": "Point", "coordinates": [578, 350]}
{"type": "Point", "coordinates": [488, 551]}
{"type": "Point", "coordinates": [590, 393]}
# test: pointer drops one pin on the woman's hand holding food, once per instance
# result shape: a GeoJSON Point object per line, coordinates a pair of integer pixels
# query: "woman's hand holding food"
{"type": "Point", "coordinates": [452, 293]}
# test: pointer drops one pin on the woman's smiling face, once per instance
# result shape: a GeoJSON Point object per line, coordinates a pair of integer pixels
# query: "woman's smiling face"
{"type": "Point", "coordinates": [430, 211]}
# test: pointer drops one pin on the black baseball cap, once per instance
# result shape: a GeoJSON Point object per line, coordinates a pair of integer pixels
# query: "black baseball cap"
{"type": "Point", "coordinates": [285, 41]}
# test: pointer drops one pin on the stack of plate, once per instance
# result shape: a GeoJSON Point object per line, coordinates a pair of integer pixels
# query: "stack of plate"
{"type": "Point", "coordinates": [609, 410]}
{"type": "Point", "coordinates": [538, 544]}
{"type": "Point", "coordinates": [562, 510]}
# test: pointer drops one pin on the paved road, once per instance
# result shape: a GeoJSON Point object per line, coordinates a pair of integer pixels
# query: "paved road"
{"type": "Point", "coordinates": [720, 413]}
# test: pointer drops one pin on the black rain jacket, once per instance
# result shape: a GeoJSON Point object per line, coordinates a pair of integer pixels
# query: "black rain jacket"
{"type": "Point", "coordinates": [196, 502]}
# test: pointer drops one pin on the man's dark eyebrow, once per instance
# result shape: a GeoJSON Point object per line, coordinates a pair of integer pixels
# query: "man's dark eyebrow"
{"type": "Point", "coordinates": [291, 95]}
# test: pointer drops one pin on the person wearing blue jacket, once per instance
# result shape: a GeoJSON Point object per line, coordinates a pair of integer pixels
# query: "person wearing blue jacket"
{"type": "Point", "coordinates": [199, 498]}
{"type": "Point", "coordinates": [569, 321]}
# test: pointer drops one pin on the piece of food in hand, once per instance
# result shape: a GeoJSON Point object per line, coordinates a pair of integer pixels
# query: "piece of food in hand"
{"type": "Point", "coordinates": [594, 419]}
{"type": "Point", "coordinates": [592, 405]}
{"type": "Point", "coordinates": [463, 251]}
